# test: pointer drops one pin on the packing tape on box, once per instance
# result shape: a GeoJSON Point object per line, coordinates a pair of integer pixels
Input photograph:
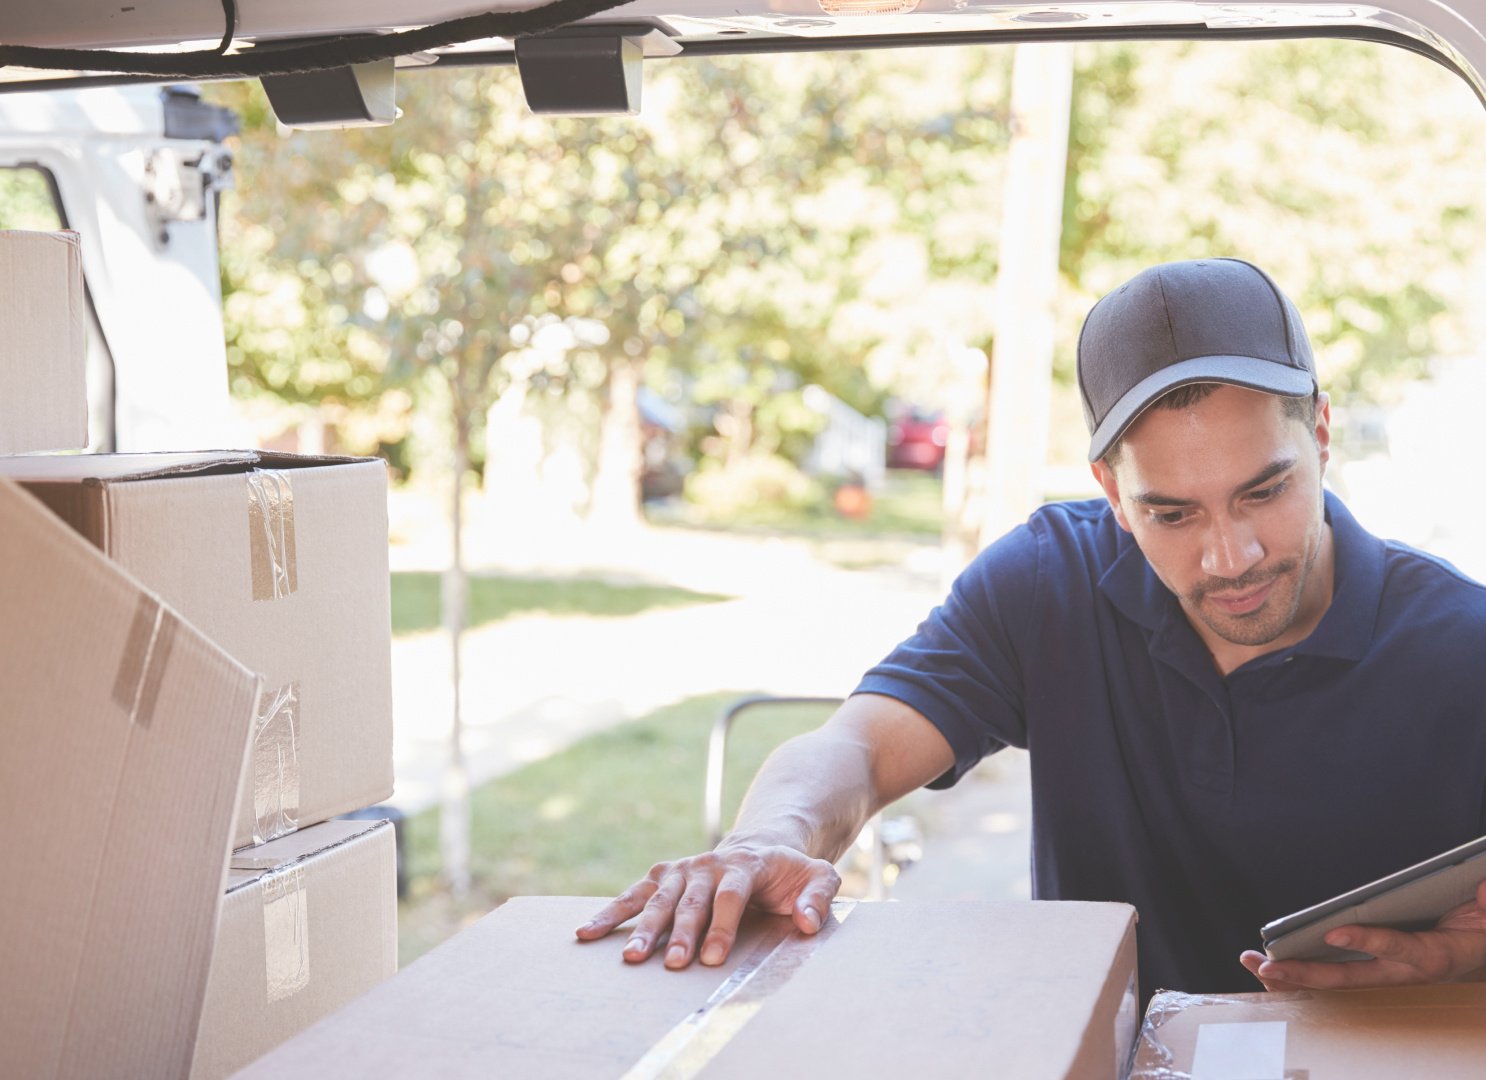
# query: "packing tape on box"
{"type": "Point", "coordinates": [146, 654]}
{"type": "Point", "coordinates": [276, 763]}
{"type": "Point", "coordinates": [271, 534]}
{"type": "Point", "coordinates": [684, 1051]}
{"type": "Point", "coordinates": [286, 932]}
{"type": "Point", "coordinates": [1247, 1050]}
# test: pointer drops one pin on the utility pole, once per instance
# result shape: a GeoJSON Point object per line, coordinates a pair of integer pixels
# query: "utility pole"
{"type": "Point", "coordinates": [1020, 394]}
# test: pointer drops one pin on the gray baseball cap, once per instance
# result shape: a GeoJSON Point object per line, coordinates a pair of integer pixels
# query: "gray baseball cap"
{"type": "Point", "coordinates": [1205, 320]}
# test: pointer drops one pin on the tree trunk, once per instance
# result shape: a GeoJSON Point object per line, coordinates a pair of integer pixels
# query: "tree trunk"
{"type": "Point", "coordinates": [616, 481]}
{"type": "Point", "coordinates": [1020, 396]}
{"type": "Point", "coordinates": [454, 821]}
{"type": "Point", "coordinates": [964, 471]}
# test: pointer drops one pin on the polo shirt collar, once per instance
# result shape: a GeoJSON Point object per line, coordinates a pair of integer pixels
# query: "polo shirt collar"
{"type": "Point", "coordinates": [1345, 631]}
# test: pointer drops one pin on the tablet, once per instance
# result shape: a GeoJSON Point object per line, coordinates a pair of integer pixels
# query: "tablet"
{"type": "Point", "coordinates": [1412, 899]}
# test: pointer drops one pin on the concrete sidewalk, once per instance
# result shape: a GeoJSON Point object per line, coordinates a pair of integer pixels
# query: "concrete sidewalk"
{"type": "Point", "coordinates": [533, 684]}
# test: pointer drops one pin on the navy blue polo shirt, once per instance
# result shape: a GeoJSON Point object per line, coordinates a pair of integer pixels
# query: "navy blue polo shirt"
{"type": "Point", "coordinates": [1212, 804]}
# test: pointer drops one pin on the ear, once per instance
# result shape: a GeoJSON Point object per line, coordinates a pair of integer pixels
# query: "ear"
{"type": "Point", "coordinates": [1104, 473]}
{"type": "Point", "coordinates": [1323, 428]}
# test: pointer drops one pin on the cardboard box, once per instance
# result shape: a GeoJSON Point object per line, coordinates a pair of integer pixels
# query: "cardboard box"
{"type": "Point", "coordinates": [124, 736]}
{"type": "Point", "coordinates": [282, 560]}
{"type": "Point", "coordinates": [1024, 990]}
{"type": "Point", "coordinates": [309, 923]}
{"type": "Point", "coordinates": [43, 353]}
{"type": "Point", "coordinates": [1433, 1031]}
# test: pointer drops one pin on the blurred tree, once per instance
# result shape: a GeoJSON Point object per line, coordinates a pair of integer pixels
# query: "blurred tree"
{"type": "Point", "coordinates": [471, 249]}
{"type": "Point", "coordinates": [1349, 170]}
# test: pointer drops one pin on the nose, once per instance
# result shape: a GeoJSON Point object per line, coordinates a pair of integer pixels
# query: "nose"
{"type": "Point", "coordinates": [1230, 549]}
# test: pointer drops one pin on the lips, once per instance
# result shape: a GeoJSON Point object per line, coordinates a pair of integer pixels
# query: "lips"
{"type": "Point", "coordinates": [1242, 603]}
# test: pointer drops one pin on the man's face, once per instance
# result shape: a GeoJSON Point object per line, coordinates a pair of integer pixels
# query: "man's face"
{"type": "Point", "coordinates": [1224, 499]}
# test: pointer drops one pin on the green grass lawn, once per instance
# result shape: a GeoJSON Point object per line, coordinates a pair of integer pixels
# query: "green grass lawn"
{"type": "Point", "coordinates": [911, 503]}
{"type": "Point", "coordinates": [592, 819]}
{"type": "Point", "coordinates": [415, 598]}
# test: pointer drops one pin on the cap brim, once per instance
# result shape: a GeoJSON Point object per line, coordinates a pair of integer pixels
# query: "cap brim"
{"type": "Point", "coordinates": [1246, 371]}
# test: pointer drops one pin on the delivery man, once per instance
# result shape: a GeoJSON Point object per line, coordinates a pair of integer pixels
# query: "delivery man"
{"type": "Point", "coordinates": [1237, 702]}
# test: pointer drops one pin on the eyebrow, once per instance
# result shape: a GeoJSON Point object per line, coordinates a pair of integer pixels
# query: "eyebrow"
{"type": "Point", "coordinates": [1269, 472]}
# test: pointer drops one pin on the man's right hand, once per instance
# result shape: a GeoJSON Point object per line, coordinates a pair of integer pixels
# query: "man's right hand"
{"type": "Point", "coordinates": [701, 899]}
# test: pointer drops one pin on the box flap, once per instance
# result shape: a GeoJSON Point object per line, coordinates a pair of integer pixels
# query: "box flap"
{"type": "Point", "coordinates": [117, 468]}
{"type": "Point", "coordinates": [274, 459]}
{"type": "Point", "coordinates": [125, 736]}
{"type": "Point", "coordinates": [249, 864]}
{"type": "Point", "coordinates": [953, 986]}
{"type": "Point", "coordinates": [108, 468]}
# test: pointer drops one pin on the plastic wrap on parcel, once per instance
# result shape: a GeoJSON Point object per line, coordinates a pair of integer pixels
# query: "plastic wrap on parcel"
{"type": "Point", "coordinates": [118, 715]}
{"type": "Point", "coordinates": [1434, 1031]}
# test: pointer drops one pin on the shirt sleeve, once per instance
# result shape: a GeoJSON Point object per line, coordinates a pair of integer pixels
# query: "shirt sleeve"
{"type": "Point", "coordinates": [962, 668]}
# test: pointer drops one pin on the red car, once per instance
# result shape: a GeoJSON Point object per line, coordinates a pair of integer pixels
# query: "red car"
{"type": "Point", "coordinates": [916, 440]}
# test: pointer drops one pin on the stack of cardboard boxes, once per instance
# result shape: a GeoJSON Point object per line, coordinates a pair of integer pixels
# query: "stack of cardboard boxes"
{"type": "Point", "coordinates": [195, 670]}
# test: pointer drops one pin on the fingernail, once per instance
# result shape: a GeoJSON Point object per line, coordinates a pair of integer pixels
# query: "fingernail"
{"type": "Point", "coordinates": [812, 918]}
{"type": "Point", "coordinates": [712, 954]}
{"type": "Point", "coordinates": [636, 944]}
{"type": "Point", "coordinates": [676, 952]}
{"type": "Point", "coordinates": [1339, 940]}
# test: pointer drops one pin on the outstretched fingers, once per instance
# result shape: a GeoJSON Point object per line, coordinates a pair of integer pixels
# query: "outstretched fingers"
{"type": "Point", "coordinates": [728, 905]}
{"type": "Point", "coordinates": [655, 919]}
{"type": "Point", "coordinates": [689, 921]}
{"type": "Point", "coordinates": [621, 909]}
{"type": "Point", "coordinates": [693, 907]}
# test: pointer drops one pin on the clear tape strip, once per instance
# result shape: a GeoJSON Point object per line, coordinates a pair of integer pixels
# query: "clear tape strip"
{"type": "Point", "coordinates": [271, 534]}
{"type": "Point", "coordinates": [146, 655]}
{"type": "Point", "coordinates": [286, 933]}
{"type": "Point", "coordinates": [276, 763]}
{"type": "Point", "coordinates": [684, 1051]}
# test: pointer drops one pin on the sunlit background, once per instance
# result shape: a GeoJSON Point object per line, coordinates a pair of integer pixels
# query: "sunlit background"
{"type": "Point", "coordinates": [713, 382]}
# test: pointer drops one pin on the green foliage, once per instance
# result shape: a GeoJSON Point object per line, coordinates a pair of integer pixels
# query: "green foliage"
{"type": "Point", "coordinates": [909, 504]}
{"type": "Point", "coordinates": [415, 599]}
{"type": "Point", "coordinates": [749, 483]}
{"type": "Point", "coordinates": [26, 200]}
{"type": "Point", "coordinates": [1347, 169]}
{"type": "Point", "coordinates": [773, 222]}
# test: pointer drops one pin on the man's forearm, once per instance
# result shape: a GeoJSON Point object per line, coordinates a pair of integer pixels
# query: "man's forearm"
{"type": "Point", "coordinates": [814, 794]}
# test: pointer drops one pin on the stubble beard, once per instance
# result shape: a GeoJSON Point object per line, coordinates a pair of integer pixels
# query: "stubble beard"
{"type": "Point", "coordinates": [1270, 619]}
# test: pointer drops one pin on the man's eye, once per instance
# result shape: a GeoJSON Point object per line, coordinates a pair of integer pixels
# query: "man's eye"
{"type": "Point", "coordinates": [1265, 494]}
{"type": "Point", "coordinates": [1169, 517]}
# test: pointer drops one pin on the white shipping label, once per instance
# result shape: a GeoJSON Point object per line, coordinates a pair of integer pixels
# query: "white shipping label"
{"type": "Point", "coordinates": [1249, 1051]}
